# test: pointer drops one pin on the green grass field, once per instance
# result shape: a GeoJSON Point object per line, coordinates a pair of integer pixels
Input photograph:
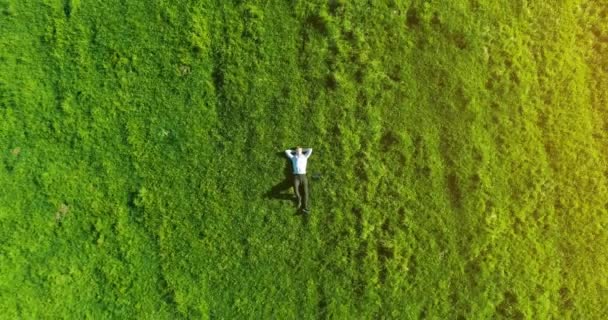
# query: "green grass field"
{"type": "Point", "coordinates": [462, 148]}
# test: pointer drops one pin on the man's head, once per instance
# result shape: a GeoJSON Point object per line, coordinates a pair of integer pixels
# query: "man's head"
{"type": "Point", "coordinates": [298, 150]}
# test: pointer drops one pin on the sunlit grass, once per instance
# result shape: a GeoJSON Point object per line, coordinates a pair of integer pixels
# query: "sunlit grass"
{"type": "Point", "coordinates": [460, 159]}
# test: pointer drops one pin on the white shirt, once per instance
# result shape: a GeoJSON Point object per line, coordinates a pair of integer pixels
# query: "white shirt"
{"type": "Point", "coordinates": [299, 162]}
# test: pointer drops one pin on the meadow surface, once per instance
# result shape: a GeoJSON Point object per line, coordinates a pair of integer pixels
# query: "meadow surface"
{"type": "Point", "coordinates": [460, 149]}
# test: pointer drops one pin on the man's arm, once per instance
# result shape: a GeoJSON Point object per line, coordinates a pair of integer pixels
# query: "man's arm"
{"type": "Point", "coordinates": [307, 152]}
{"type": "Point", "coordinates": [288, 153]}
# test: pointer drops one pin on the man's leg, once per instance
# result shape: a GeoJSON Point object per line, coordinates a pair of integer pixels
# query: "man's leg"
{"type": "Point", "coordinates": [296, 188]}
{"type": "Point", "coordinates": [305, 185]}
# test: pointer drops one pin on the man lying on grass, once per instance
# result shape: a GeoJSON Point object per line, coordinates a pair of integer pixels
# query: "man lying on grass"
{"type": "Point", "coordinates": [298, 161]}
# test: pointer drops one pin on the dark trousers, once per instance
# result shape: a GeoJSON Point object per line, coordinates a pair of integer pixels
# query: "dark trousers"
{"type": "Point", "coordinates": [301, 180]}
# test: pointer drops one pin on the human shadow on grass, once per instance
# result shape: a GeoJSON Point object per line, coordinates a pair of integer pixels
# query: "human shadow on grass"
{"type": "Point", "coordinates": [281, 190]}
